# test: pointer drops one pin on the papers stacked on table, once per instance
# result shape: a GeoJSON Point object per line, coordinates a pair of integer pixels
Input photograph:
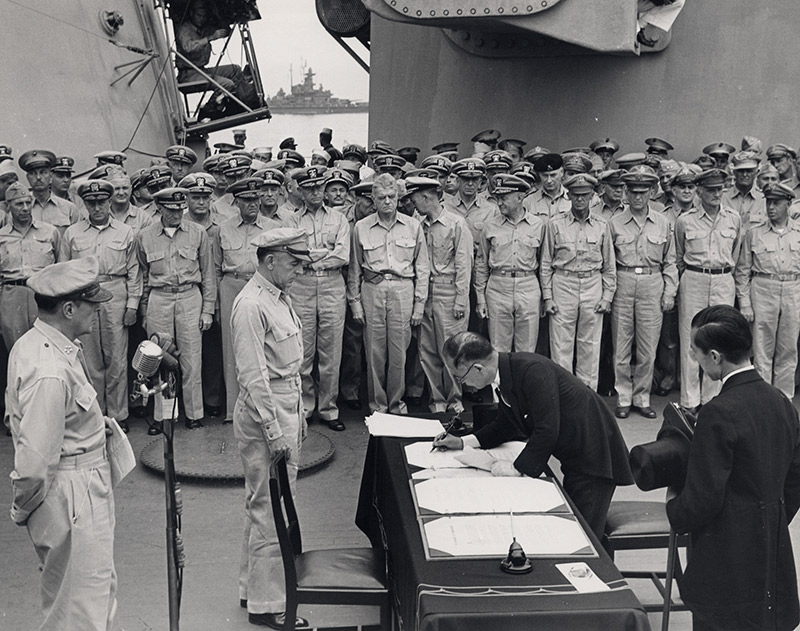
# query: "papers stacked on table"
{"type": "Point", "coordinates": [380, 424]}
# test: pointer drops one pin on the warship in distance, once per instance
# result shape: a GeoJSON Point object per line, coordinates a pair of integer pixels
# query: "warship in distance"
{"type": "Point", "coordinates": [307, 99]}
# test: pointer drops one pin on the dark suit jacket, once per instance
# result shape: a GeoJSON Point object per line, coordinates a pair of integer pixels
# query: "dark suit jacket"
{"type": "Point", "coordinates": [559, 416]}
{"type": "Point", "coordinates": [742, 488]}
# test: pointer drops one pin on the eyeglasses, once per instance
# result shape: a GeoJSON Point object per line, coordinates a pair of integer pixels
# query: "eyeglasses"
{"type": "Point", "coordinates": [460, 380]}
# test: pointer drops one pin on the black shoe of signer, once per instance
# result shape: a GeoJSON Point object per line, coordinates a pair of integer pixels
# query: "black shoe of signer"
{"type": "Point", "coordinates": [193, 423]}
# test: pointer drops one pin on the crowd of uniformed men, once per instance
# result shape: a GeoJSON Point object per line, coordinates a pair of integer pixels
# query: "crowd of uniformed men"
{"type": "Point", "coordinates": [596, 259]}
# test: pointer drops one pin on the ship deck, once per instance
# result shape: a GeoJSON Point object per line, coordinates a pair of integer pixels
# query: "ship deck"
{"type": "Point", "coordinates": [212, 530]}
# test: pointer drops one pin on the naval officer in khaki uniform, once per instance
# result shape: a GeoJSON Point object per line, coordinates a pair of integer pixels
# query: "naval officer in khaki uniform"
{"type": "Point", "coordinates": [234, 264]}
{"type": "Point", "coordinates": [707, 242]}
{"type": "Point", "coordinates": [61, 479]}
{"type": "Point", "coordinates": [506, 265]}
{"type": "Point", "coordinates": [647, 281]}
{"type": "Point", "coordinates": [450, 256]}
{"type": "Point", "coordinates": [387, 287]}
{"type": "Point", "coordinates": [27, 245]}
{"type": "Point", "coordinates": [578, 278]}
{"type": "Point", "coordinates": [113, 244]}
{"type": "Point", "coordinates": [58, 212]}
{"type": "Point", "coordinates": [268, 418]}
{"type": "Point", "coordinates": [179, 294]}
{"type": "Point", "coordinates": [318, 296]}
{"type": "Point", "coordinates": [768, 287]}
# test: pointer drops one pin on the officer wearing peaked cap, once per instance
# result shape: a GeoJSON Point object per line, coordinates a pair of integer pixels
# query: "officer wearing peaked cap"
{"type": "Point", "coordinates": [337, 184]}
{"type": "Point", "coordinates": [294, 160]}
{"type": "Point", "coordinates": [629, 160]}
{"type": "Point", "coordinates": [5, 153]}
{"type": "Point", "coordinates": [47, 207]}
{"type": "Point", "coordinates": [610, 201]}
{"type": "Point", "coordinates": [61, 177]}
{"type": "Point", "coordinates": [447, 149]}
{"type": "Point", "coordinates": [551, 199]}
{"type": "Point", "coordinates": [409, 154]}
{"type": "Point", "coordinates": [268, 420]}
{"type": "Point", "coordinates": [59, 434]}
{"type": "Point", "coordinates": [354, 152]}
{"type": "Point", "coordinates": [449, 245]}
{"type": "Point", "coordinates": [389, 163]}
{"type": "Point", "coordinates": [180, 160]}
{"type": "Point", "coordinates": [658, 147]}
{"type": "Point", "coordinates": [768, 288]}
{"type": "Point", "coordinates": [272, 188]}
{"type": "Point", "coordinates": [605, 148]}
{"type": "Point", "coordinates": [112, 243]}
{"type": "Point", "coordinates": [743, 196]}
{"type": "Point", "coordinates": [234, 264]}
{"type": "Point", "coordinates": [721, 152]}
{"type": "Point", "coordinates": [288, 143]}
{"type": "Point", "coordinates": [514, 147]}
{"type": "Point", "coordinates": [318, 293]}
{"type": "Point", "coordinates": [387, 287]}
{"type": "Point", "coordinates": [647, 282]}
{"type": "Point", "coordinates": [578, 278]}
{"type": "Point", "coordinates": [157, 178]}
{"type": "Point", "coordinates": [28, 245]}
{"type": "Point", "coordinates": [179, 293]}
{"type": "Point", "coordinates": [506, 285]}
{"type": "Point", "coordinates": [782, 157]}
{"type": "Point", "coordinates": [707, 244]}
{"type": "Point", "coordinates": [110, 157]}
{"type": "Point", "coordinates": [199, 190]}
{"type": "Point", "coordinates": [234, 168]}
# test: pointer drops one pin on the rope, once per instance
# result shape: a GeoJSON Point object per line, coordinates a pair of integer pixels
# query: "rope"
{"type": "Point", "coordinates": [149, 100]}
{"type": "Point", "coordinates": [133, 49]}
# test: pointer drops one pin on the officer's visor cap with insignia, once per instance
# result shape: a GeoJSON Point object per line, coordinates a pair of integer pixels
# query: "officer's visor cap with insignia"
{"type": "Point", "coordinates": [294, 241]}
{"type": "Point", "coordinates": [469, 168]}
{"type": "Point", "coordinates": [95, 190]}
{"type": "Point", "coordinates": [202, 183]}
{"type": "Point", "coordinates": [173, 198]}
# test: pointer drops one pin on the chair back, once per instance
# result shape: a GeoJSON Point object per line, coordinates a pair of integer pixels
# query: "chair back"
{"type": "Point", "coordinates": [287, 527]}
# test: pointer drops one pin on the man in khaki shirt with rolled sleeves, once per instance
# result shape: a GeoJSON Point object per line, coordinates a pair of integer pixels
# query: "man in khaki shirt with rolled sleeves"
{"type": "Point", "coordinates": [505, 269]}
{"type": "Point", "coordinates": [113, 244]}
{"type": "Point", "coordinates": [234, 264]}
{"type": "Point", "coordinates": [27, 245]}
{"type": "Point", "coordinates": [268, 417]}
{"type": "Point", "coordinates": [387, 287]}
{"type": "Point", "coordinates": [180, 293]}
{"type": "Point", "coordinates": [647, 281]}
{"type": "Point", "coordinates": [318, 295]}
{"type": "Point", "coordinates": [768, 287]}
{"type": "Point", "coordinates": [449, 244]}
{"type": "Point", "coordinates": [707, 242]}
{"type": "Point", "coordinates": [578, 278]}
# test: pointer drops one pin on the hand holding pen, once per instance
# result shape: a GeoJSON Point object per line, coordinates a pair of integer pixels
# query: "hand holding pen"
{"type": "Point", "coordinates": [445, 441]}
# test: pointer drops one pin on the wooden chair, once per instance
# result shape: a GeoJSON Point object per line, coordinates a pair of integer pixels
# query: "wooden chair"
{"type": "Point", "coordinates": [641, 525]}
{"type": "Point", "coordinates": [344, 576]}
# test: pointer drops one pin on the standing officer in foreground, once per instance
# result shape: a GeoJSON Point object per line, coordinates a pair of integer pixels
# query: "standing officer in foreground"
{"type": "Point", "coordinates": [578, 281]}
{"type": "Point", "coordinates": [742, 489]}
{"type": "Point", "coordinates": [179, 293]}
{"type": "Point", "coordinates": [558, 415]}
{"type": "Point", "coordinates": [768, 287]}
{"type": "Point", "coordinates": [268, 418]}
{"type": "Point", "coordinates": [61, 478]}
{"type": "Point", "coordinates": [387, 286]}
{"type": "Point", "coordinates": [707, 242]}
{"type": "Point", "coordinates": [450, 256]}
{"type": "Point", "coordinates": [647, 281]}
{"type": "Point", "coordinates": [113, 244]}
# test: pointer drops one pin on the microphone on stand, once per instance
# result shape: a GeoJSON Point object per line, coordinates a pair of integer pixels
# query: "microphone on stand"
{"type": "Point", "coordinates": [149, 357]}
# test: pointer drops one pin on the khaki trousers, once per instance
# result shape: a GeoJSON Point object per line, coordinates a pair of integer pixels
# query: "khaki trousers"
{"type": "Point", "coordinates": [438, 324]}
{"type": "Point", "coordinates": [320, 302]}
{"type": "Point", "coordinates": [576, 322]}
{"type": "Point", "coordinates": [776, 305]}
{"type": "Point", "coordinates": [388, 306]}
{"type": "Point", "coordinates": [513, 305]}
{"type": "Point", "coordinates": [179, 315]}
{"type": "Point", "coordinates": [697, 291]}
{"type": "Point", "coordinates": [73, 534]}
{"type": "Point", "coordinates": [261, 580]}
{"type": "Point", "coordinates": [636, 315]}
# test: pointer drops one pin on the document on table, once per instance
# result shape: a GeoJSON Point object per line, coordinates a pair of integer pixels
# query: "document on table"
{"type": "Point", "coordinates": [420, 455]}
{"type": "Point", "coordinates": [447, 496]}
{"type": "Point", "coordinates": [380, 424]}
{"type": "Point", "coordinates": [491, 536]}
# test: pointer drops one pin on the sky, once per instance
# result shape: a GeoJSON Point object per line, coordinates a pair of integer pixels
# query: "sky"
{"type": "Point", "coordinates": [289, 33]}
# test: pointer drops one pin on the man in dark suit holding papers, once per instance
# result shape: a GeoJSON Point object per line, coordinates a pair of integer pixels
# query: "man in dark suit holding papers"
{"type": "Point", "coordinates": [554, 411]}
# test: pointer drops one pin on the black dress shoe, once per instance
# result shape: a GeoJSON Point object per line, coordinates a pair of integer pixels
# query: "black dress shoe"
{"type": "Point", "coordinates": [155, 429]}
{"type": "Point", "coordinates": [335, 424]}
{"type": "Point", "coordinates": [275, 620]}
{"type": "Point", "coordinates": [353, 404]}
{"type": "Point", "coordinates": [647, 412]}
{"type": "Point", "coordinates": [193, 423]}
{"type": "Point", "coordinates": [123, 425]}
{"type": "Point", "coordinates": [622, 411]}
{"type": "Point", "coordinates": [661, 391]}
